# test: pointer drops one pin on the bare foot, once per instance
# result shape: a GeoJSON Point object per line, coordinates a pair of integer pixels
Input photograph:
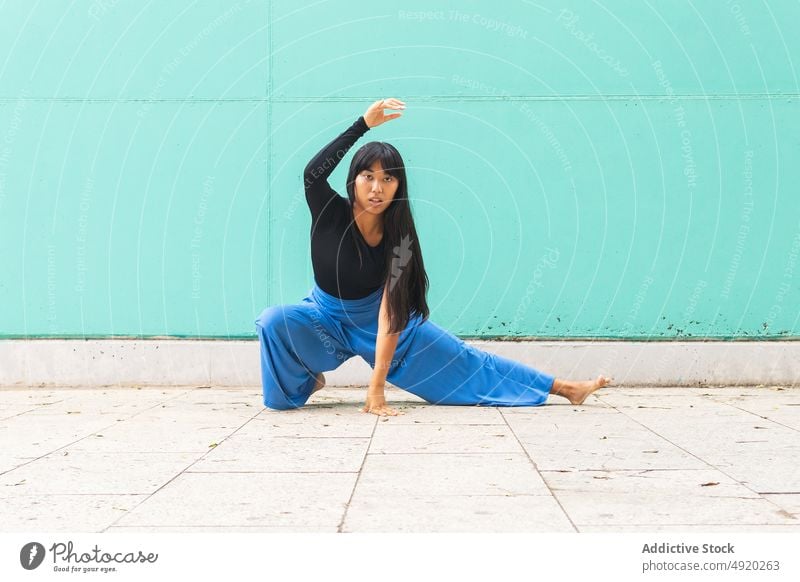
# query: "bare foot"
{"type": "Point", "coordinates": [320, 382]}
{"type": "Point", "coordinates": [577, 392]}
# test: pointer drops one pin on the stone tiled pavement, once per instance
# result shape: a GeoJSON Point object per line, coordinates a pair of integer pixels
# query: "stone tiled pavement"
{"type": "Point", "coordinates": [206, 459]}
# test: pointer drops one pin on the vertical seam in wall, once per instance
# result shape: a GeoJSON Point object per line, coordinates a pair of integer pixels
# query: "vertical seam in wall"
{"type": "Point", "coordinates": [268, 169]}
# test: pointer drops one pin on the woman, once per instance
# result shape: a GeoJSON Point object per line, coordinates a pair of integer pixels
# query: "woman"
{"type": "Point", "coordinates": [369, 299]}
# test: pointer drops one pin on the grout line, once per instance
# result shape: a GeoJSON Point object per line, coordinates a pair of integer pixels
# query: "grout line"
{"type": "Point", "coordinates": [697, 457]}
{"type": "Point", "coordinates": [115, 423]}
{"type": "Point", "coordinates": [757, 414]}
{"type": "Point", "coordinates": [181, 472]}
{"type": "Point", "coordinates": [269, 472]}
{"type": "Point", "coordinates": [358, 477]}
{"type": "Point", "coordinates": [538, 472]}
{"type": "Point", "coordinates": [690, 524]}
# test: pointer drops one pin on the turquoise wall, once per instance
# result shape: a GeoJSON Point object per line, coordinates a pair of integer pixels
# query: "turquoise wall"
{"type": "Point", "coordinates": [616, 169]}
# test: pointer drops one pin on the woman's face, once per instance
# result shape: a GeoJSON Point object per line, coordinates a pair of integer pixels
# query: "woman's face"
{"type": "Point", "coordinates": [375, 189]}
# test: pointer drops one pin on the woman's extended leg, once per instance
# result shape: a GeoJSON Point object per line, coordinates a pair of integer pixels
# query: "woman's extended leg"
{"type": "Point", "coordinates": [443, 369]}
{"type": "Point", "coordinates": [297, 343]}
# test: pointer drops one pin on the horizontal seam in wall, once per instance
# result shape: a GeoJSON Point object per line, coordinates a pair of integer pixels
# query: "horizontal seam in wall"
{"type": "Point", "coordinates": [136, 100]}
{"type": "Point", "coordinates": [564, 97]}
{"type": "Point", "coordinates": [421, 99]}
{"type": "Point", "coordinates": [513, 340]}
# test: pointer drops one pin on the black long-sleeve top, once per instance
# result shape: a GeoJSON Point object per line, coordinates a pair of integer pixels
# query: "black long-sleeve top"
{"type": "Point", "coordinates": [335, 236]}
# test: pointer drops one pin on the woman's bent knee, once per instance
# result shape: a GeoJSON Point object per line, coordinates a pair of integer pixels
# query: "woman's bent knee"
{"type": "Point", "coordinates": [269, 316]}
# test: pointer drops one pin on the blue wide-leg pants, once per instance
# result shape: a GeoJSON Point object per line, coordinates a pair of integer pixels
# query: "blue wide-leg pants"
{"type": "Point", "coordinates": [298, 341]}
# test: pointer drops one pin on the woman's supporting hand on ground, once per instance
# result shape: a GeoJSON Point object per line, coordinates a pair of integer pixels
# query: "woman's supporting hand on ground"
{"type": "Point", "coordinates": [374, 115]}
{"type": "Point", "coordinates": [376, 404]}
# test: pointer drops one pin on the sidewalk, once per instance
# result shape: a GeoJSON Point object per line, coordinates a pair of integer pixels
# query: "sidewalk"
{"type": "Point", "coordinates": [205, 459]}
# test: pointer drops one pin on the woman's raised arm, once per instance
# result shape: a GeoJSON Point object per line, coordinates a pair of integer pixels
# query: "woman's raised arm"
{"type": "Point", "coordinates": [315, 176]}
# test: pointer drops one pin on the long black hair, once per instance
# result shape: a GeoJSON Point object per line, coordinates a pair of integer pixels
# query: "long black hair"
{"type": "Point", "coordinates": [404, 267]}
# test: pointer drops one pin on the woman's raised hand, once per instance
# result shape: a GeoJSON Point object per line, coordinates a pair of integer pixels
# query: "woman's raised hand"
{"type": "Point", "coordinates": [374, 115]}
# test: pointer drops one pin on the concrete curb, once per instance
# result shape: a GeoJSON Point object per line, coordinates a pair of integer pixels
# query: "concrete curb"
{"type": "Point", "coordinates": [166, 362]}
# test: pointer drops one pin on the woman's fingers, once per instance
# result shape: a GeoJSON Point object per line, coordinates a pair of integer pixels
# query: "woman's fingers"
{"type": "Point", "coordinates": [381, 411]}
{"type": "Point", "coordinates": [388, 104]}
{"type": "Point", "coordinates": [393, 103]}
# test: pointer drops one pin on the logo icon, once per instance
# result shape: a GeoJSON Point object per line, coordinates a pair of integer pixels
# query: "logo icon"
{"type": "Point", "coordinates": [31, 555]}
{"type": "Point", "coordinates": [402, 254]}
